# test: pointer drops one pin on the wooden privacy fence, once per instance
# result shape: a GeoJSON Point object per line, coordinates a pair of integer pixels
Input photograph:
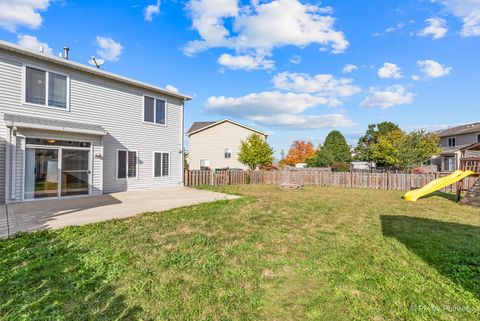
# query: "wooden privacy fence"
{"type": "Point", "coordinates": [388, 180]}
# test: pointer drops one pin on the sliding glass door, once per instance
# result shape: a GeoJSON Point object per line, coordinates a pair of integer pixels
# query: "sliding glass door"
{"type": "Point", "coordinates": [56, 172]}
{"type": "Point", "coordinates": [75, 172]}
{"type": "Point", "coordinates": [41, 173]}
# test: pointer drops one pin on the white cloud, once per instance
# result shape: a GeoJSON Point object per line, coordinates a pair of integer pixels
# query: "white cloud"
{"type": "Point", "coordinates": [277, 109]}
{"type": "Point", "coordinates": [437, 28]}
{"type": "Point", "coordinates": [305, 121]}
{"type": "Point", "coordinates": [415, 77]}
{"type": "Point", "coordinates": [152, 10]}
{"type": "Point", "coordinates": [433, 69]}
{"type": "Point", "coordinates": [26, 13]}
{"type": "Point", "coordinates": [109, 49]}
{"type": "Point", "coordinates": [321, 84]}
{"type": "Point", "coordinates": [171, 88]}
{"type": "Point", "coordinates": [295, 59]}
{"type": "Point", "coordinates": [32, 43]}
{"type": "Point", "coordinates": [246, 62]}
{"type": "Point", "coordinates": [468, 11]}
{"type": "Point", "coordinates": [260, 27]}
{"type": "Point", "coordinates": [390, 70]}
{"type": "Point", "coordinates": [264, 103]}
{"type": "Point", "coordinates": [391, 96]}
{"type": "Point", "coordinates": [348, 68]}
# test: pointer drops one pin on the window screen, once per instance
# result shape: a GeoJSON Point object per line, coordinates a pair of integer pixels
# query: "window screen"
{"type": "Point", "coordinates": [132, 164]}
{"type": "Point", "coordinates": [57, 90]}
{"type": "Point", "coordinates": [165, 164]}
{"type": "Point", "coordinates": [122, 164]}
{"type": "Point", "coordinates": [35, 86]}
{"type": "Point", "coordinates": [160, 112]}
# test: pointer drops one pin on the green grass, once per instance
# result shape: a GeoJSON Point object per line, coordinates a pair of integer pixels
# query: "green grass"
{"type": "Point", "coordinates": [314, 254]}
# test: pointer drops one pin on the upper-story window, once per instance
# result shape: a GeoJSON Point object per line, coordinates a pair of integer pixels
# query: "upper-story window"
{"type": "Point", "coordinates": [451, 142]}
{"type": "Point", "coordinates": [46, 88]}
{"type": "Point", "coordinates": [154, 111]}
{"type": "Point", "coordinates": [227, 153]}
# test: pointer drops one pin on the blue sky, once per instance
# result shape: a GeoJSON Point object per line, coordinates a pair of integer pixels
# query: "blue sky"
{"type": "Point", "coordinates": [296, 69]}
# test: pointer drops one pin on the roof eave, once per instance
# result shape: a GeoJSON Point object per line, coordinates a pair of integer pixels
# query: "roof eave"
{"type": "Point", "coordinates": [78, 66]}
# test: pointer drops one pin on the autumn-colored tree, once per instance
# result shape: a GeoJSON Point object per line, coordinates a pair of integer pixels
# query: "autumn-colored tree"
{"type": "Point", "coordinates": [299, 152]}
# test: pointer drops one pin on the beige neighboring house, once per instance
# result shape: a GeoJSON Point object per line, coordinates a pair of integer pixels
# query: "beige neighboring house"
{"type": "Point", "coordinates": [452, 140]}
{"type": "Point", "coordinates": [216, 144]}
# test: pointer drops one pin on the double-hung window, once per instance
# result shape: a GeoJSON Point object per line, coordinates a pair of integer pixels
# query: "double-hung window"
{"type": "Point", "coordinates": [154, 110]}
{"type": "Point", "coordinates": [127, 164]}
{"type": "Point", "coordinates": [161, 164]}
{"type": "Point", "coordinates": [227, 153]}
{"type": "Point", "coordinates": [452, 142]}
{"type": "Point", "coordinates": [46, 88]}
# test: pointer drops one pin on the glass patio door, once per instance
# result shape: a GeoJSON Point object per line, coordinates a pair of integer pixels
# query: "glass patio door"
{"type": "Point", "coordinates": [75, 172]}
{"type": "Point", "coordinates": [41, 173]}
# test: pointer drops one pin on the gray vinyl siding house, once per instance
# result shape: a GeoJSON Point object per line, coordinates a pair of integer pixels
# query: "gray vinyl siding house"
{"type": "Point", "coordinates": [104, 134]}
{"type": "Point", "coordinates": [452, 140]}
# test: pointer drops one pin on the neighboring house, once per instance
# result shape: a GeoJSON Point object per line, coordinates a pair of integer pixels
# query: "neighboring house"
{"type": "Point", "coordinates": [67, 129]}
{"type": "Point", "coordinates": [215, 145]}
{"type": "Point", "coordinates": [452, 140]}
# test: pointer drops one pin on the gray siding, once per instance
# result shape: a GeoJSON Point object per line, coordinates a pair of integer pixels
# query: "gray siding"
{"type": "Point", "coordinates": [461, 140]}
{"type": "Point", "coordinates": [116, 107]}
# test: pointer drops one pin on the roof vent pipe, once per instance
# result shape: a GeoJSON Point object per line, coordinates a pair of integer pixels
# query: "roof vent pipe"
{"type": "Point", "coordinates": [65, 52]}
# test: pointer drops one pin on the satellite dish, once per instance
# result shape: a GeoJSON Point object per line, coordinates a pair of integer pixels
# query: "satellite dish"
{"type": "Point", "coordinates": [96, 62]}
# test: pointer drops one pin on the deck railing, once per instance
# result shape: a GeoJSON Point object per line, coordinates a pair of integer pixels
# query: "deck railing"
{"type": "Point", "coordinates": [471, 164]}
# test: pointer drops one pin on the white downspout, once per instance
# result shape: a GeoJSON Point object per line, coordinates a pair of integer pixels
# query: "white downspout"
{"type": "Point", "coordinates": [183, 143]}
{"type": "Point", "coordinates": [13, 193]}
{"type": "Point", "coordinates": [7, 166]}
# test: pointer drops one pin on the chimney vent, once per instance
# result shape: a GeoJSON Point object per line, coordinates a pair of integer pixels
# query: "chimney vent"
{"type": "Point", "coordinates": [65, 52]}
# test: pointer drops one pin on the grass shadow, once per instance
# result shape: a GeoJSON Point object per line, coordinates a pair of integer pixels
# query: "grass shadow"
{"type": "Point", "coordinates": [45, 277]}
{"type": "Point", "coordinates": [449, 196]}
{"type": "Point", "coordinates": [452, 249]}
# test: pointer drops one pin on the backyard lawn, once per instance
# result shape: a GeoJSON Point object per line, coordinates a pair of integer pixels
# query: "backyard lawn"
{"type": "Point", "coordinates": [314, 254]}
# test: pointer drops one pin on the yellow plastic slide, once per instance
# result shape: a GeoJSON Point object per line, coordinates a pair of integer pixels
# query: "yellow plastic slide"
{"type": "Point", "coordinates": [437, 184]}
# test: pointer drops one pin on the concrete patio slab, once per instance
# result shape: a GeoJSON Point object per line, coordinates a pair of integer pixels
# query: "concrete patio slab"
{"type": "Point", "coordinates": [53, 214]}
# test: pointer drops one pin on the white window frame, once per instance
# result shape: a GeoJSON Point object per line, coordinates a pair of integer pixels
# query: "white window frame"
{"type": "Point", "coordinates": [200, 163]}
{"type": "Point", "coordinates": [448, 141]}
{"type": "Point", "coordinates": [225, 152]}
{"type": "Point", "coordinates": [154, 110]}
{"type": "Point", "coordinates": [47, 79]}
{"type": "Point", "coordinates": [161, 164]}
{"type": "Point", "coordinates": [454, 163]}
{"type": "Point", "coordinates": [126, 164]}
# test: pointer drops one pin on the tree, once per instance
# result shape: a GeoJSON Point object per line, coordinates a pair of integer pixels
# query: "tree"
{"type": "Point", "coordinates": [334, 150]}
{"type": "Point", "coordinates": [255, 151]}
{"type": "Point", "coordinates": [372, 134]}
{"type": "Point", "coordinates": [405, 150]}
{"type": "Point", "coordinates": [299, 152]}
